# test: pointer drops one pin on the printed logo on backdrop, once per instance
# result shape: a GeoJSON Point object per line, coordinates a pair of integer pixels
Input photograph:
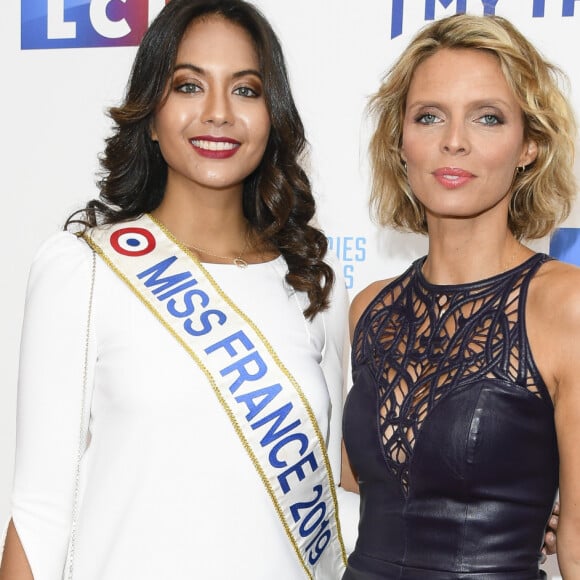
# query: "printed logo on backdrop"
{"type": "Point", "coordinates": [437, 8]}
{"type": "Point", "coordinates": [85, 23]}
{"type": "Point", "coordinates": [351, 251]}
{"type": "Point", "coordinates": [565, 245]}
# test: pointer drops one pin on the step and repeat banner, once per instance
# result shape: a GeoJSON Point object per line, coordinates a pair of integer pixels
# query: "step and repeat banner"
{"type": "Point", "coordinates": [66, 61]}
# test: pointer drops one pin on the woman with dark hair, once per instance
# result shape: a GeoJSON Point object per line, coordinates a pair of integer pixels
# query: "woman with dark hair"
{"type": "Point", "coordinates": [180, 387]}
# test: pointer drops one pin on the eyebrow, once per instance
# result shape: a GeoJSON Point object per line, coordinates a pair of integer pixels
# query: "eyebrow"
{"type": "Point", "coordinates": [480, 103]}
{"type": "Point", "coordinates": [201, 71]}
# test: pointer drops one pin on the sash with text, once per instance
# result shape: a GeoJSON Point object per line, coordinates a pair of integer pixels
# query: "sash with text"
{"type": "Point", "coordinates": [266, 406]}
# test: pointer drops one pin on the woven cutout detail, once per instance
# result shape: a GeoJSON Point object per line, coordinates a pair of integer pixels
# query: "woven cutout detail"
{"type": "Point", "coordinates": [466, 332]}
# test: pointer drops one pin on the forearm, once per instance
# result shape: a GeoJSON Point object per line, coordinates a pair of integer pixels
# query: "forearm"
{"type": "Point", "coordinates": [14, 564]}
{"type": "Point", "coordinates": [51, 401]}
{"type": "Point", "coordinates": [569, 551]}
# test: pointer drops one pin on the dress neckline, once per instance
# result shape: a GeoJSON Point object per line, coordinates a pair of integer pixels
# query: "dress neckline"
{"type": "Point", "coordinates": [273, 261]}
{"type": "Point", "coordinates": [418, 267]}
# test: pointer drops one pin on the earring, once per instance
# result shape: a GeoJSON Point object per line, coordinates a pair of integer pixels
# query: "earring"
{"type": "Point", "coordinates": [520, 169]}
{"type": "Point", "coordinates": [405, 166]}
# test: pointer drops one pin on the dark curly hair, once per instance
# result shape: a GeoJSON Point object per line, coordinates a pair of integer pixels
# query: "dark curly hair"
{"type": "Point", "coordinates": [277, 197]}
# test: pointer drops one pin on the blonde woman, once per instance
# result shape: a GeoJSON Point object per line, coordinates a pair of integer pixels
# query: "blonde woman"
{"type": "Point", "coordinates": [464, 417]}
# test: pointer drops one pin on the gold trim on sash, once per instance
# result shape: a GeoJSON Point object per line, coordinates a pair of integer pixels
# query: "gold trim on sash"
{"type": "Point", "coordinates": [114, 260]}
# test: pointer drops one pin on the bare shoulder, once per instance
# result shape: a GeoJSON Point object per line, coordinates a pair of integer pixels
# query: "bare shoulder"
{"type": "Point", "coordinates": [555, 292]}
{"type": "Point", "coordinates": [553, 318]}
{"type": "Point", "coordinates": [361, 301]}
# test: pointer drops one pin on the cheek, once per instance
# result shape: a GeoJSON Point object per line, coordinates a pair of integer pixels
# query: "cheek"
{"type": "Point", "coordinates": [501, 163]}
{"type": "Point", "coordinates": [413, 146]}
{"type": "Point", "coordinates": [170, 121]}
{"type": "Point", "coordinates": [265, 133]}
{"type": "Point", "coordinates": [258, 127]}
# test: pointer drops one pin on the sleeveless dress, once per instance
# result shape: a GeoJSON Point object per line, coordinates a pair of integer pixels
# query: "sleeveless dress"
{"type": "Point", "coordinates": [450, 429]}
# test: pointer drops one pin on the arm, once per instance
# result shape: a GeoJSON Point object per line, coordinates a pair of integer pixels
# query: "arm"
{"type": "Point", "coordinates": [348, 478]}
{"type": "Point", "coordinates": [553, 317]}
{"type": "Point", "coordinates": [567, 413]}
{"type": "Point", "coordinates": [335, 364]}
{"type": "Point", "coordinates": [14, 562]}
{"type": "Point", "coordinates": [49, 402]}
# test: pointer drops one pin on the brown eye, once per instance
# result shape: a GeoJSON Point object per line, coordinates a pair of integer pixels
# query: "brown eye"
{"type": "Point", "coordinates": [187, 87]}
{"type": "Point", "coordinates": [246, 92]}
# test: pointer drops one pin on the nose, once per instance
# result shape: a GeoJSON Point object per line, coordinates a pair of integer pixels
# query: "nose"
{"type": "Point", "coordinates": [217, 108]}
{"type": "Point", "coordinates": [455, 139]}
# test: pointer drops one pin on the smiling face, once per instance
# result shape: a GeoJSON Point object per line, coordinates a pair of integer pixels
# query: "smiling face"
{"type": "Point", "coordinates": [214, 125]}
{"type": "Point", "coordinates": [463, 135]}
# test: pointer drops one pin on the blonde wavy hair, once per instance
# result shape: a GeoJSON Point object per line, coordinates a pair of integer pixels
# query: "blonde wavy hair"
{"type": "Point", "coordinates": [542, 195]}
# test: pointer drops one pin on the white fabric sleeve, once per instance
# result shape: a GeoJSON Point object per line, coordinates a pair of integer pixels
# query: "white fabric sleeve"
{"type": "Point", "coordinates": [335, 367]}
{"type": "Point", "coordinates": [49, 403]}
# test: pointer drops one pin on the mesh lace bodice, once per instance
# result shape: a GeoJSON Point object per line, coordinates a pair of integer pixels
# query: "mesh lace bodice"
{"type": "Point", "coordinates": [421, 341]}
{"type": "Point", "coordinates": [450, 430]}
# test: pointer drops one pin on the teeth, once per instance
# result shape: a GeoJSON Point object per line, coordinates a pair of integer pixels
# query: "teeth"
{"type": "Point", "coordinates": [214, 145]}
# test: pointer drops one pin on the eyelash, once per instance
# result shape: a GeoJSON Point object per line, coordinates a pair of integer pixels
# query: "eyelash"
{"type": "Point", "coordinates": [187, 87]}
{"type": "Point", "coordinates": [192, 88]}
{"type": "Point", "coordinates": [422, 118]}
{"type": "Point", "coordinates": [497, 119]}
{"type": "Point", "coordinates": [253, 93]}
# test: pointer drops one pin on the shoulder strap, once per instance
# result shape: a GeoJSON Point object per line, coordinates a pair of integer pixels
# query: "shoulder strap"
{"type": "Point", "coordinates": [83, 425]}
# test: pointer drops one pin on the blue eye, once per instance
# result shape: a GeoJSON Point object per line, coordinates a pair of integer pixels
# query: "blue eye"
{"type": "Point", "coordinates": [490, 120]}
{"type": "Point", "coordinates": [427, 119]}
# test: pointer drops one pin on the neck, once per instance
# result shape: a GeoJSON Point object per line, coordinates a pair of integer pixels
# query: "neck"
{"type": "Point", "coordinates": [461, 255]}
{"type": "Point", "coordinates": [215, 223]}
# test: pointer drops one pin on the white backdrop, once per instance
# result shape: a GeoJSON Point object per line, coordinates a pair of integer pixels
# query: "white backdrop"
{"type": "Point", "coordinates": [53, 102]}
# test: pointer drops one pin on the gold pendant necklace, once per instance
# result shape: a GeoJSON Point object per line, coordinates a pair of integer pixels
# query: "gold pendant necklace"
{"type": "Point", "coordinates": [237, 260]}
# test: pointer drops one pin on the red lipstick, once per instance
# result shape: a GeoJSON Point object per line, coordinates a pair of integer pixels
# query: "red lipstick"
{"type": "Point", "coordinates": [215, 147]}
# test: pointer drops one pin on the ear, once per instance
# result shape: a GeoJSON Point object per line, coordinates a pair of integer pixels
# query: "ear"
{"type": "Point", "coordinates": [403, 156]}
{"type": "Point", "coordinates": [529, 153]}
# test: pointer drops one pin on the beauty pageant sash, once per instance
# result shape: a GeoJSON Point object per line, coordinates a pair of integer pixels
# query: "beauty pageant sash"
{"type": "Point", "coordinates": [265, 405]}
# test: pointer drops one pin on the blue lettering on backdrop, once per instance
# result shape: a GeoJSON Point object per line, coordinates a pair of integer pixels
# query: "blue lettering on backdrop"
{"type": "Point", "coordinates": [565, 245]}
{"type": "Point", "coordinates": [568, 7]}
{"type": "Point", "coordinates": [349, 250]}
{"type": "Point", "coordinates": [81, 23]}
{"type": "Point", "coordinates": [430, 7]}
{"type": "Point", "coordinates": [537, 7]}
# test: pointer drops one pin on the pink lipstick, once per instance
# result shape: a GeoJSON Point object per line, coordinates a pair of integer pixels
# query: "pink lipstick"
{"type": "Point", "coordinates": [452, 177]}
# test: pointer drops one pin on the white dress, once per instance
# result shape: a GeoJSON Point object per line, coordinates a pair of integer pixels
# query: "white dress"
{"type": "Point", "coordinates": [166, 490]}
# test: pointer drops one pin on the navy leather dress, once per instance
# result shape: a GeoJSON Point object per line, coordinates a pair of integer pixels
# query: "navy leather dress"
{"type": "Point", "coordinates": [450, 430]}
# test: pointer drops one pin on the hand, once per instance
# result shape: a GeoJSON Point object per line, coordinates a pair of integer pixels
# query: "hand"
{"type": "Point", "coordinates": [549, 546]}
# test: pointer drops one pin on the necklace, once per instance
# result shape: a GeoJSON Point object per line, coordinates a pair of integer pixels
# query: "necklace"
{"type": "Point", "coordinates": [237, 260]}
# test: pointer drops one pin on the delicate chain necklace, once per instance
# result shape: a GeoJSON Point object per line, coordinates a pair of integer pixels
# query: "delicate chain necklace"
{"type": "Point", "coordinates": [237, 260]}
